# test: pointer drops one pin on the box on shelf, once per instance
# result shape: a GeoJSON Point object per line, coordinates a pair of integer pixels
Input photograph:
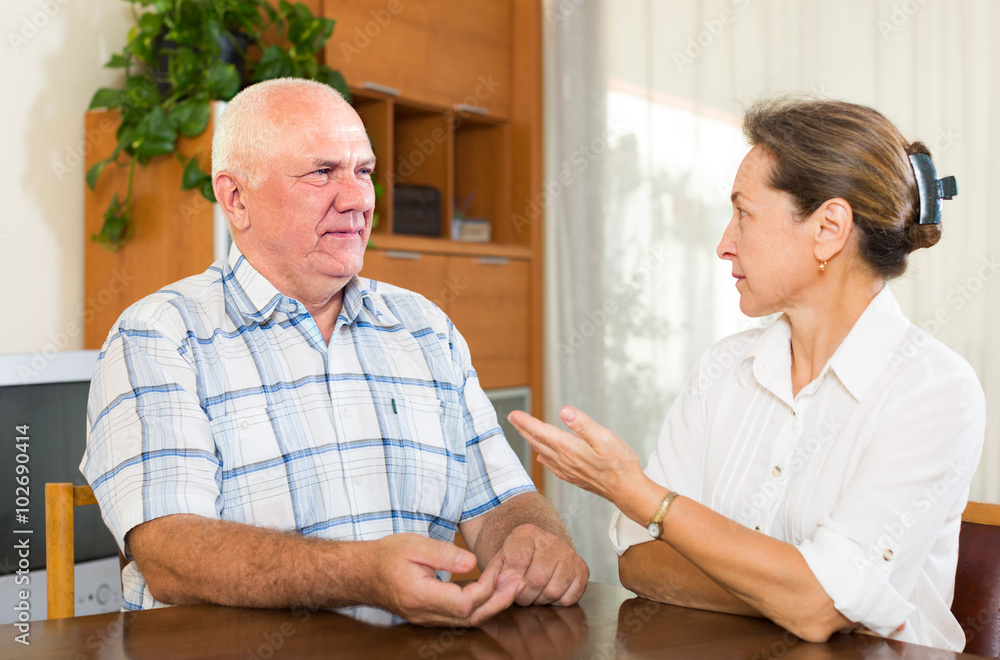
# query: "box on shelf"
{"type": "Point", "coordinates": [416, 210]}
{"type": "Point", "coordinates": [473, 230]}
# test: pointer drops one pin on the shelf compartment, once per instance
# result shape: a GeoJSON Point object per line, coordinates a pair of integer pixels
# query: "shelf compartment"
{"type": "Point", "coordinates": [423, 154]}
{"type": "Point", "coordinates": [482, 172]}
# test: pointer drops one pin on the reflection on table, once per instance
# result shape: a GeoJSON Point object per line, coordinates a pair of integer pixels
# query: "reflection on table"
{"type": "Point", "coordinates": [608, 623]}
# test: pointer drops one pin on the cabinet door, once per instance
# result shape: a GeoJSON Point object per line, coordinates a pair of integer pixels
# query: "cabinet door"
{"type": "Point", "coordinates": [487, 300]}
{"type": "Point", "coordinates": [423, 273]}
{"type": "Point", "coordinates": [446, 52]}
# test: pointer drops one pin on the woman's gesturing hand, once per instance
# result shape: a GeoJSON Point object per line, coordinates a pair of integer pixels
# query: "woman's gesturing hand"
{"type": "Point", "coordinates": [592, 457]}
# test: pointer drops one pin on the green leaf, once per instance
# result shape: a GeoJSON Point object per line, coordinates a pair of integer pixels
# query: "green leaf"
{"type": "Point", "coordinates": [154, 136]}
{"type": "Point", "coordinates": [140, 93]}
{"type": "Point", "coordinates": [207, 191]}
{"type": "Point", "coordinates": [325, 33]}
{"type": "Point", "coordinates": [304, 32]}
{"type": "Point", "coordinates": [191, 117]}
{"type": "Point", "coordinates": [186, 68]}
{"type": "Point", "coordinates": [94, 172]}
{"type": "Point", "coordinates": [150, 23]}
{"type": "Point", "coordinates": [106, 97]}
{"type": "Point", "coordinates": [334, 79]}
{"type": "Point", "coordinates": [273, 64]}
{"type": "Point", "coordinates": [193, 176]}
{"type": "Point", "coordinates": [118, 61]}
{"type": "Point", "coordinates": [117, 227]}
{"type": "Point", "coordinates": [223, 81]}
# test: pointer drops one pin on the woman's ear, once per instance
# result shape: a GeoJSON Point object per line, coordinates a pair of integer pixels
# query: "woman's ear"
{"type": "Point", "coordinates": [835, 221]}
{"type": "Point", "coordinates": [229, 193]}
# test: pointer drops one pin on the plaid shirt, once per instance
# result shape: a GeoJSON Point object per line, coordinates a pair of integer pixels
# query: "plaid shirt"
{"type": "Point", "coordinates": [217, 396]}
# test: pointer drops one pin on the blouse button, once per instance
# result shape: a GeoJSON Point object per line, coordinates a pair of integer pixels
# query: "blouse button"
{"type": "Point", "coordinates": [757, 528]}
{"type": "Point", "coordinates": [887, 555]}
{"type": "Point", "coordinates": [776, 471]}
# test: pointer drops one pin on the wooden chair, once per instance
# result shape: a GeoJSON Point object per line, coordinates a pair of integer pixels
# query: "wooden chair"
{"type": "Point", "coordinates": [977, 580]}
{"type": "Point", "coordinates": [60, 498]}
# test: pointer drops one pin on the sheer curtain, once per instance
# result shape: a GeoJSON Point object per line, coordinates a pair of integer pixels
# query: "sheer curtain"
{"type": "Point", "coordinates": [643, 99]}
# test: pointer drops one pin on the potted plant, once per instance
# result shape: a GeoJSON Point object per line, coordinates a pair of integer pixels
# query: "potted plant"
{"type": "Point", "coordinates": [183, 54]}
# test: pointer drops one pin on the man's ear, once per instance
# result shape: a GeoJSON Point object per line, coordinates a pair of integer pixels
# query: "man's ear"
{"type": "Point", "coordinates": [229, 194]}
{"type": "Point", "coordinates": [835, 221]}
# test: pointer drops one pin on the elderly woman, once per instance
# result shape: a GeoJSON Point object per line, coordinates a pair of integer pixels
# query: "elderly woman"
{"type": "Point", "coordinates": [813, 472]}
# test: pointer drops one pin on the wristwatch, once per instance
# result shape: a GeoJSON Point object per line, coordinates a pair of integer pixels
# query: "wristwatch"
{"type": "Point", "coordinates": [655, 526]}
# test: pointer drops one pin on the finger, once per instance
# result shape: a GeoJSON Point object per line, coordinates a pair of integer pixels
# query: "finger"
{"type": "Point", "coordinates": [581, 424]}
{"type": "Point", "coordinates": [529, 427]}
{"type": "Point", "coordinates": [538, 578]}
{"type": "Point", "coordinates": [444, 556]}
{"type": "Point", "coordinates": [574, 592]}
{"type": "Point", "coordinates": [447, 603]}
{"type": "Point", "coordinates": [545, 439]}
{"type": "Point", "coordinates": [508, 586]}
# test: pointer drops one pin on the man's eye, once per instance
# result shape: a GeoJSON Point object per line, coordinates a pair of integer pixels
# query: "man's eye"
{"type": "Point", "coordinates": [366, 171]}
{"type": "Point", "coordinates": [324, 171]}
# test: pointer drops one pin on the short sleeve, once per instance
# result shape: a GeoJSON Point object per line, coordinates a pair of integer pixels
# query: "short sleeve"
{"type": "Point", "coordinates": [495, 473]}
{"type": "Point", "coordinates": [150, 451]}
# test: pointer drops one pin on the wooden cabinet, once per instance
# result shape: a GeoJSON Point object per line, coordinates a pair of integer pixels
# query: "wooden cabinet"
{"type": "Point", "coordinates": [445, 52]}
{"type": "Point", "coordinates": [487, 298]}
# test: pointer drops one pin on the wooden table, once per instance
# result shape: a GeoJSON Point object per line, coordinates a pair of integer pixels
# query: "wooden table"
{"type": "Point", "coordinates": [608, 623]}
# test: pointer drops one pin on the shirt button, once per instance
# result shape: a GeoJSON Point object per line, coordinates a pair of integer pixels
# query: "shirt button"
{"type": "Point", "coordinates": [887, 554]}
{"type": "Point", "coordinates": [244, 425]}
{"type": "Point", "coordinates": [345, 413]}
{"type": "Point", "coordinates": [357, 481]}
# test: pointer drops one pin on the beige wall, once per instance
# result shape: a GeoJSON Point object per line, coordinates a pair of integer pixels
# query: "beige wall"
{"type": "Point", "coordinates": [51, 58]}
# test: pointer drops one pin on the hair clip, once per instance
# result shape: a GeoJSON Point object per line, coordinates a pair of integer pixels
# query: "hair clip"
{"type": "Point", "coordinates": [930, 189]}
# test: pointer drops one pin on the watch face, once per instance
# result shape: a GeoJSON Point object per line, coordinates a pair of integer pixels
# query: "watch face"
{"type": "Point", "coordinates": [654, 530]}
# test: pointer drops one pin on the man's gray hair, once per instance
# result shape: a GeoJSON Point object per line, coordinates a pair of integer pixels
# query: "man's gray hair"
{"type": "Point", "coordinates": [245, 135]}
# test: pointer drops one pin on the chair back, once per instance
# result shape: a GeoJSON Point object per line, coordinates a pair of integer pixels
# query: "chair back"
{"type": "Point", "coordinates": [977, 580]}
{"type": "Point", "coordinates": [60, 498]}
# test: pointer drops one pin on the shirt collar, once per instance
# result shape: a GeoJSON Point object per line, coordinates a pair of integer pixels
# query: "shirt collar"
{"type": "Point", "coordinates": [253, 295]}
{"type": "Point", "coordinates": [868, 347]}
{"type": "Point", "coordinates": [857, 362]}
{"type": "Point", "coordinates": [361, 296]}
{"type": "Point", "coordinates": [259, 300]}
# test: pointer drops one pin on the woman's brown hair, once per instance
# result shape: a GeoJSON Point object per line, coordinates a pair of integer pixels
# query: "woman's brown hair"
{"type": "Point", "coordinates": [825, 149]}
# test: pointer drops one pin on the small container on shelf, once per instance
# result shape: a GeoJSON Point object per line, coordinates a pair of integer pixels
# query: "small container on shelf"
{"type": "Point", "coordinates": [471, 230]}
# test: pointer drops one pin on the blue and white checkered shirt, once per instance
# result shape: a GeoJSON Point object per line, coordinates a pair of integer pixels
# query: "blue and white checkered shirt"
{"type": "Point", "coordinates": [217, 396]}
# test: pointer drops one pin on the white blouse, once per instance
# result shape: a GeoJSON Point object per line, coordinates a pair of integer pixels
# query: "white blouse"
{"type": "Point", "coordinates": [866, 471]}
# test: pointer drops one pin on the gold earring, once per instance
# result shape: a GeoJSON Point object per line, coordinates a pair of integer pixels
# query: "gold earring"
{"type": "Point", "coordinates": [822, 266]}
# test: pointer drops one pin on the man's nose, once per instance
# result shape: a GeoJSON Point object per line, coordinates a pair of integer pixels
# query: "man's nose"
{"type": "Point", "coordinates": [355, 195]}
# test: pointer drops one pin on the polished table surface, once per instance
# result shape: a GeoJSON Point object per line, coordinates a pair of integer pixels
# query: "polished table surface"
{"type": "Point", "coordinates": [609, 622]}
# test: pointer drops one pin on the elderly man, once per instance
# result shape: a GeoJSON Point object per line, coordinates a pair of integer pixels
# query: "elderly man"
{"type": "Point", "coordinates": [278, 432]}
